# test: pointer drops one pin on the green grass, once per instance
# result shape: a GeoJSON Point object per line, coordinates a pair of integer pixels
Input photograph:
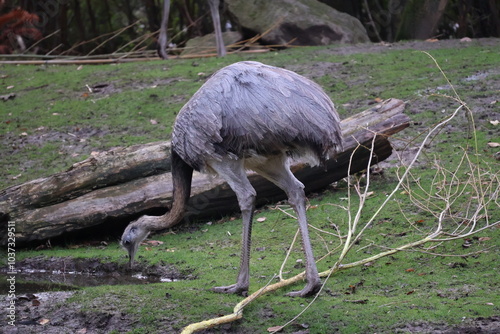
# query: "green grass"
{"type": "Point", "coordinates": [408, 287]}
{"type": "Point", "coordinates": [404, 288]}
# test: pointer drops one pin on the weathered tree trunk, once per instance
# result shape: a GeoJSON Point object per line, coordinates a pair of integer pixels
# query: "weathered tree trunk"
{"type": "Point", "coordinates": [420, 19]}
{"type": "Point", "coordinates": [124, 182]}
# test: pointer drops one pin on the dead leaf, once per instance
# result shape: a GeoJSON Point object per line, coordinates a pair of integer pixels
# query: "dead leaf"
{"type": "Point", "coordinates": [484, 238]}
{"type": "Point", "coordinates": [82, 331]}
{"type": "Point", "coordinates": [7, 97]}
{"type": "Point", "coordinates": [378, 99]}
{"type": "Point", "coordinates": [43, 321]}
{"type": "Point", "coordinates": [495, 122]}
{"type": "Point", "coordinates": [467, 243]}
{"type": "Point", "coordinates": [153, 121]}
{"type": "Point", "coordinates": [376, 171]}
{"type": "Point", "coordinates": [16, 177]}
{"type": "Point", "coordinates": [410, 292]}
{"type": "Point", "coordinates": [261, 219]}
{"type": "Point", "coordinates": [79, 67]}
{"type": "Point", "coordinates": [410, 270]}
{"type": "Point", "coordinates": [35, 302]}
{"type": "Point", "coordinates": [10, 87]}
{"type": "Point", "coordinates": [153, 242]}
{"type": "Point", "coordinates": [274, 329]}
{"type": "Point", "coordinates": [432, 40]}
{"type": "Point", "coordinates": [492, 144]}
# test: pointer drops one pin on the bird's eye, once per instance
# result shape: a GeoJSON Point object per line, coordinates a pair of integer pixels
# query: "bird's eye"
{"type": "Point", "coordinates": [133, 229]}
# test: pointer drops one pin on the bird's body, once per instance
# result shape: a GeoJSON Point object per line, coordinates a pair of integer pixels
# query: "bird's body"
{"type": "Point", "coordinates": [248, 116]}
{"type": "Point", "coordinates": [249, 109]}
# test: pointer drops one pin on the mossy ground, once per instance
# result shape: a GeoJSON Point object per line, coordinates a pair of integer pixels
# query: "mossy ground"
{"type": "Point", "coordinates": [56, 120]}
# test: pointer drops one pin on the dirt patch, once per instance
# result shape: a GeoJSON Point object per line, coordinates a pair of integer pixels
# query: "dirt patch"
{"type": "Point", "coordinates": [479, 325]}
{"type": "Point", "coordinates": [49, 312]}
{"type": "Point", "coordinates": [410, 45]}
{"type": "Point", "coordinates": [74, 140]}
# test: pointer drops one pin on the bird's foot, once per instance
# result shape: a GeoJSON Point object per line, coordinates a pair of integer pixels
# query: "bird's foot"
{"type": "Point", "coordinates": [309, 290]}
{"type": "Point", "coordinates": [235, 288]}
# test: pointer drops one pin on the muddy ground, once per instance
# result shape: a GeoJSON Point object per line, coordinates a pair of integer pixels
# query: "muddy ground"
{"type": "Point", "coordinates": [47, 312]}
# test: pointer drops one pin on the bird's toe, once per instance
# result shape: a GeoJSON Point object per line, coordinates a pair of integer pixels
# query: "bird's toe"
{"type": "Point", "coordinates": [235, 288]}
{"type": "Point", "coordinates": [308, 290]}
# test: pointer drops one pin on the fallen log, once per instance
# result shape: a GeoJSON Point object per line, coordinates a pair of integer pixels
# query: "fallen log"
{"type": "Point", "coordinates": [124, 182]}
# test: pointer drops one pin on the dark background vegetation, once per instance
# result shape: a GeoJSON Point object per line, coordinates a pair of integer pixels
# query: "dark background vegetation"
{"type": "Point", "coordinates": [73, 27]}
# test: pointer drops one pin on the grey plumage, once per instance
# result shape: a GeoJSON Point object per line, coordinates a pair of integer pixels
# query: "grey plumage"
{"type": "Point", "coordinates": [249, 108]}
{"type": "Point", "coordinates": [248, 116]}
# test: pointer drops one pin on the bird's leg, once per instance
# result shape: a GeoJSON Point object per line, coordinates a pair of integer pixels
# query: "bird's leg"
{"type": "Point", "coordinates": [297, 201]}
{"type": "Point", "coordinates": [243, 280]}
{"type": "Point", "coordinates": [277, 170]}
{"type": "Point", "coordinates": [234, 174]}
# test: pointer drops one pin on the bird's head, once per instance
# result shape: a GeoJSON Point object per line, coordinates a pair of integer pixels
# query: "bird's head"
{"type": "Point", "coordinates": [133, 235]}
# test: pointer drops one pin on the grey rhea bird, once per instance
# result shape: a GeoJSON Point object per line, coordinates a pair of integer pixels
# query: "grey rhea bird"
{"type": "Point", "coordinates": [248, 116]}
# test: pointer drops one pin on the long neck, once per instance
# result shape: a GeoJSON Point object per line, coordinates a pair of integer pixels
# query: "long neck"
{"type": "Point", "coordinates": [182, 175]}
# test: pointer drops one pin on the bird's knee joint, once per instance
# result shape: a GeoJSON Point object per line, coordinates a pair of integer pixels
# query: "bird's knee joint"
{"type": "Point", "coordinates": [246, 202]}
{"type": "Point", "coordinates": [296, 197]}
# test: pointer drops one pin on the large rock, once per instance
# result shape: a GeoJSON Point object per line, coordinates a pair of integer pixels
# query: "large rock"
{"type": "Point", "coordinates": [297, 22]}
{"type": "Point", "coordinates": [206, 44]}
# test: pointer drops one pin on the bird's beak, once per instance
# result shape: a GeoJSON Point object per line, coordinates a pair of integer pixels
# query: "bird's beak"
{"type": "Point", "coordinates": [131, 249]}
{"type": "Point", "coordinates": [131, 256]}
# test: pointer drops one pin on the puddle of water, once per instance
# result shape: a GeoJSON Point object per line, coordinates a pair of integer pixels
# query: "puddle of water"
{"type": "Point", "coordinates": [42, 274]}
{"type": "Point", "coordinates": [35, 281]}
